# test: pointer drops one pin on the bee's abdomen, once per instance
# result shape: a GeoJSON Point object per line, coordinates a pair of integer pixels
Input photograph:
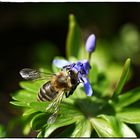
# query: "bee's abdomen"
{"type": "Point", "coordinates": [47, 93]}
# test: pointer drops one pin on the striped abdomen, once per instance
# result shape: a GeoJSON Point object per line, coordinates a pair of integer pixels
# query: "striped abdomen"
{"type": "Point", "coordinates": [47, 93]}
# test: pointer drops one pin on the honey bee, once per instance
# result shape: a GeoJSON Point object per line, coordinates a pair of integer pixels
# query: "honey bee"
{"type": "Point", "coordinates": [63, 82]}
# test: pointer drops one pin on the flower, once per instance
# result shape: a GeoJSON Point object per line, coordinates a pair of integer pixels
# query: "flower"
{"type": "Point", "coordinates": [90, 43]}
{"type": "Point", "coordinates": [81, 68]}
{"type": "Point", "coordinates": [60, 63]}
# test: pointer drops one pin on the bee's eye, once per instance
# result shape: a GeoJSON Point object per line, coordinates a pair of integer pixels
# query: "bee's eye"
{"type": "Point", "coordinates": [70, 72]}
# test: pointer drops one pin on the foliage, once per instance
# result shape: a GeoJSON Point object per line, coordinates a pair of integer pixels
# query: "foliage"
{"type": "Point", "coordinates": [2, 131]}
{"type": "Point", "coordinates": [107, 113]}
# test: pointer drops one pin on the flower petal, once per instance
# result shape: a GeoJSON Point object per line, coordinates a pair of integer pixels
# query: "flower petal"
{"type": "Point", "coordinates": [86, 66]}
{"type": "Point", "coordinates": [87, 86]}
{"type": "Point", "coordinates": [60, 63]}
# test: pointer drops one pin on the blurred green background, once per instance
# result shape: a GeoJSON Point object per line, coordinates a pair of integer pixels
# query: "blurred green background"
{"type": "Point", "coordinates": [32, 34]}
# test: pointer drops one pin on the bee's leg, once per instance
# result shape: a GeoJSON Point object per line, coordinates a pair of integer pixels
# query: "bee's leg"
{"type": "Point", "coordinates": [73, 89]}
{"type": "Point", "coordinates": [66, 94]}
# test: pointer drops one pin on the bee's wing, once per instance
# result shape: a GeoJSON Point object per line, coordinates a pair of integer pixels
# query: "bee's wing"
{"type": "Point", "coordinates": [32, 74]}
{"type": "Point", "coordinates": [54, 107]}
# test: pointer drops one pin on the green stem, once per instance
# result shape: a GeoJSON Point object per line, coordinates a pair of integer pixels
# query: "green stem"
{"type": "Point", "coordinates": [89, 57]}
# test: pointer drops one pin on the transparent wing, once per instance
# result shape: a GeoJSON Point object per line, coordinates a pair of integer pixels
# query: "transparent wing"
{"type": "Point", "coordinates": [32, 74]}
{"type": "Point", "coordinates": [54, 107]}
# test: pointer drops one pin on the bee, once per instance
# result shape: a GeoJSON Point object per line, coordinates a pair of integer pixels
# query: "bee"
{"type": "Point", "coordinates": [63, 82]}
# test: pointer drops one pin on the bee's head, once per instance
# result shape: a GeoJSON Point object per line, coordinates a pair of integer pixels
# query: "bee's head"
{"type": "Point", "coordinates": [63, 79]}
{"type": "Point", "coordinates": [73, 76]}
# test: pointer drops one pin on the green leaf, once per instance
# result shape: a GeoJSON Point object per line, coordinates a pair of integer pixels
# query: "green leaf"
{"type": "Point", "coordinates": [41, 133]}
{"type": "Point", "coordinates": [2, 131]}
{"type": "Point", "coordinates": [129, 115]}
{"type": "Point", "coordinates": [101, 85]}
{"type": "Point", "coordinates": [73, 38]}
{"type": "Point", "coordinates": [126, 131]}
{"type": "Point", "coordinates": [106, 126]}
{"type": "Point", "coordinates": [137, 127]}
{"type": "Point", "coordinates": [24, 96]}
{"type": "Point", "coordinates": [101, 127]}
{"type": "Point", "coordinates": [112, 72]}
{"type": "Point", "coordinates": [68, 100]}
{"type": "Point", "coordinates": [17, 103]}
{"type": "Point", "coordinates": [60, 121]}
{"type": "Point", "coordinates": [127, 98]}
{"type": "Point", "coordinates": [110, 126]}
{"type": "Point", "coordinates": [66, 133]}
{"type": "Point", "coordinates": [39, 121]}
{"type": "Point", "coordinates": [93, 74]}
{"type": "Point", "coordinates": [28, 111]}
{"type": "Point", "coordinates": [25, 123]}
{"type": "Point", "coordinates": [123, 78]}
{"type": "Point", "coordinates": [26, 129]}
{"type": "Point", "coordinates": [69, 110]}
{"type": "Point", "coordinates": [82, 129]}
{"type": "Point", "coordinates": [82, 54]}
{"type": "Point", "coordinates": [39, 106]}
{"type": "Point", "coordinates": [32, 86]}
{"type": "Point", "coordinates": [68, 115]}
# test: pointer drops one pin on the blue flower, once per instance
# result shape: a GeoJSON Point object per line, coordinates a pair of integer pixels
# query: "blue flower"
{"type": "Point", "coordinates": [81, 68]}
{"type": "Point", "coordinates": [60, 63]}
{"type": "Point", "coordinates": [90, 43]}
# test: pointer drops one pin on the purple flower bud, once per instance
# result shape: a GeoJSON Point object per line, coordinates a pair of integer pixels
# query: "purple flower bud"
{"type": "Point", "coordinates": [90, 43]}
